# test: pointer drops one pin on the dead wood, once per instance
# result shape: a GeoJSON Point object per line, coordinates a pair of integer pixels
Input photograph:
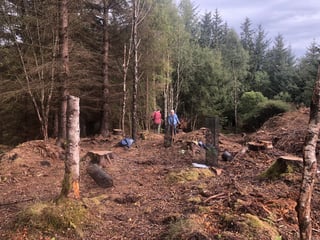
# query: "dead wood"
{"type": "Point", "coordinates": [16, 202]}
{"type": "Point", "coordinates": [219, 195]}
{"type": "Point", "coordinates": [258, 146]}
{"type": "Point", "coordinates": [102, 178]}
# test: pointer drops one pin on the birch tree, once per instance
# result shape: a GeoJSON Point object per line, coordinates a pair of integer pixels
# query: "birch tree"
{"type": "Point", "coordinates": [139, 12]}
{"type": "Point", "coordinates": [72, 161]}
{"type": "Point", "coordinates": [309, 165]}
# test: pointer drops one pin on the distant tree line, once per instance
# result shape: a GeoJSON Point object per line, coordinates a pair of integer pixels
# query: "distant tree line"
{"type": "Point", "coordinates": [126, 58]}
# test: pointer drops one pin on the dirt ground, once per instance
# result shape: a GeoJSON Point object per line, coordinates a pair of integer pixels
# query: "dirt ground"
{"type": "Point", "coordinates": [159, 194]}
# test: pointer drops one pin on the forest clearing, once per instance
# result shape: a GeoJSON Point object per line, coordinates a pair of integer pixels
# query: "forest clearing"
{"type": "Point", "coordinates": [158, 194]}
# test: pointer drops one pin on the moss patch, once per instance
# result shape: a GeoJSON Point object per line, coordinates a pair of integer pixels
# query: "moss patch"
{"type": "Point", "coordinates": [250, 226]}
{"type": "Point", "coordinates": [192, 174]}
{"type": "Point", "coordinates": [188, 228]}
{"type": "Point", "coordinates": [51, 218]}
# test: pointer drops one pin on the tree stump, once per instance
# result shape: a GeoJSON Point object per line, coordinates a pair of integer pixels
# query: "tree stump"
{"type": "Point", "coordinates": [100, 158]}
{"type": "Point", "coordinates": [284, 164]}
{"type": "Point", "coordinates": [117, 131]}
{"type": "Point", "coordinates": [102, 178]}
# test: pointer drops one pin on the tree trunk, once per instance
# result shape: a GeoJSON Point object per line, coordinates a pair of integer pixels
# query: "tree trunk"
{"type": "Point", "coordinates": [105, 116]}
{"type": "Point", "coordinates": [136, 72]}
{"type": "Point", "coordinates": [309, 165]}
{"type": "Point", "coordinates": [126, 60]}
{"type": "Point", "coordinates": [72, 172]}
{"type": "Point", "coordinates": [64, 39]}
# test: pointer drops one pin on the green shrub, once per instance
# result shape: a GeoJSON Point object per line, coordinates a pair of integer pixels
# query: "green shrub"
{"type": "Point", "coordinates": [250, 100]}
{"type": "Point", "coordinates": [262, 112]}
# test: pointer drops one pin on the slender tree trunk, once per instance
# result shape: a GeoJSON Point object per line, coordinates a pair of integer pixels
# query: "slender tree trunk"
{"type": "Point", "coordinates": [126, 61]}
{"type": "Point", "coordinates": [165, 99]}
{"type": "Point", "coordinates": [105, 113]}
{"type": "Point", "coordinates": [309, 165]}
{"type": "Point", "coordinates": [64, 39]}
{"type": "Point", "coordinates": [72, 162]}
{"type": "Point", "coordinates": [41, 100]}
{"type": "Point", "coordinates": [235, 98]}
{"type": "Point", "coordinates": [138, 15]}
{"type": "Point", "coordinates": [56, 124]}
{"type": "Point", "coordinates": [136, 72]}
{"type": "Point", "coordinates": [147, 105]}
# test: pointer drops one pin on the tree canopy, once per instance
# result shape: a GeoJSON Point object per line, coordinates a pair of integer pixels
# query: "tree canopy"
{"type": "Point", "coordinates": [193, 63]}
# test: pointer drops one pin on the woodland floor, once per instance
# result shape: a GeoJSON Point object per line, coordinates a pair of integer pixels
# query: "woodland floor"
{"type": "Point", "coordinates": [153, 197]}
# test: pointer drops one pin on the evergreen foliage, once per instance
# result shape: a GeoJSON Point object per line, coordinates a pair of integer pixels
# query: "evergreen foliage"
{"type": "Point", "coordinates": [193, 63]}
{"type": "Point", "coordinates": [262, 112]}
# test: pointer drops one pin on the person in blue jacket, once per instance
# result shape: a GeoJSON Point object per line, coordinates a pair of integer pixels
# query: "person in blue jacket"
{"type": "Point", "coordinates": [173, 121]}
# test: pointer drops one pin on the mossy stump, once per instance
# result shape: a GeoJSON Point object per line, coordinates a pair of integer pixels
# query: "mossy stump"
{"type": "Point", "coordinates": [283, 165]}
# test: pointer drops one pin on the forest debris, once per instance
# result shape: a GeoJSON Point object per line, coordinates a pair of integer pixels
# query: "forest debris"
{"type": "Point", "coordinates": [219, 195]}
{"type": "Point", "coordinates": [256, 146]}
{"type": "Point", "coordinates": [216, 170]}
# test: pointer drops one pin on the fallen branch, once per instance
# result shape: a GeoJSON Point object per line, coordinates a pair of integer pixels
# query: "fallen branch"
{"type": "Point", "coordinates": [214, 196]}
{"type": "Point", "coordinates": [315, 230]}
{"type": "Point", "coordinates": [16, 202]}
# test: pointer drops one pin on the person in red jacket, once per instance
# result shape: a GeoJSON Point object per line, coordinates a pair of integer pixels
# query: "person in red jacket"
{"type": "Point", "coordinates": [157, 119]}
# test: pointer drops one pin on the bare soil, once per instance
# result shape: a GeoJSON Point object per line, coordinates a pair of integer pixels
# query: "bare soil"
{"type": "Point", "coordinates": [153, 196]}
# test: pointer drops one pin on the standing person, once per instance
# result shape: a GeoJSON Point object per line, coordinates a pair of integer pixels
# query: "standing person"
{"type": "Point", "coordinates": [173, 121]}
{"type": "Point", "coordinates": [157, 118]}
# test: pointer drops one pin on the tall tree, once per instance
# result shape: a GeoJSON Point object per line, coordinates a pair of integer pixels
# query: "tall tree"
{"type": "Point", "coordinates": [35, 39]}
{"type": "Point", "coordinates": [219, 30]}
{"type": "Point", "coordinates": [139, 12]}
{"type": "Point", "coordinates": [247, 35]}
{"type": "Point", "coordinates": [189, 16]}
{"type": "Point", "coordinates": [309, 165]}
{"type": "Point", "coordinates": [236, 62]}
{"type": "Point", "coordinates": [307, 69]}
{"type": "Point", "coordinates": [259, 77]}
{"type": "Point", "coordinates": [205, 39]}
{"type": "Point", "coordinates": [65, 71]}
{"type": "Point", "coordinates": [247, 41]}
{"type": "Point", "coordinates": [105, 70]}
{"type": "Point", "coordinates": [280, 68]}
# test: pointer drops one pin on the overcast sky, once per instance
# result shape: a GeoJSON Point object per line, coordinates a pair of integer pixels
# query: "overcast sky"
{"type": "Point", "coordinates": [297, 20]}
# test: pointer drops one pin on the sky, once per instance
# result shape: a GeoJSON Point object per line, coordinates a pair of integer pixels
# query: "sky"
{"type": "Point", "coordinates": [298, 21]}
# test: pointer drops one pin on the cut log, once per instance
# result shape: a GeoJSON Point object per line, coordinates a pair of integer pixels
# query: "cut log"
{"type": "Point", "coordinates": [260, 145]}
{"type": "Point", "coordinates": [99, 157]}
{"type": "Point", "coordinates": [102, 178]}
{"type": "Point", "coordinates": [284, 164]}
{"type": "Point", "coordinates": [267, 144]}
{"type": "Point", "coordinates": [256, 146]}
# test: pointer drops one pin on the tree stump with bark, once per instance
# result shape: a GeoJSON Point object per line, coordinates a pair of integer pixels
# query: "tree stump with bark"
{"type": "Point", "coordinates": [102, 178]}
{"type": "Point", "coordinates": [283, 165]}
{"type": "Point", "coordinates": [101, 158]}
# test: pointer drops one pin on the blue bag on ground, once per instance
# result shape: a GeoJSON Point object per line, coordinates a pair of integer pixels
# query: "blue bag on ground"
{"type": "Point", "coordinates": [126, 142]}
